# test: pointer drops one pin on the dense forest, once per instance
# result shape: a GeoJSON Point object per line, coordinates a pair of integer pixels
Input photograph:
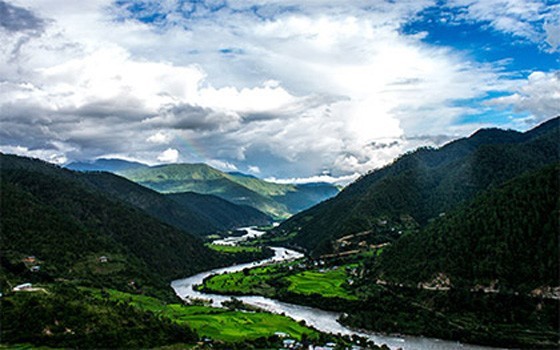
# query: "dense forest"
{"type": "Point", "coordinates": [193, 213]}
{"type": "Point", "coordinates": [68, 224]}
{"type": "Point", "coordinates": [506, 237]}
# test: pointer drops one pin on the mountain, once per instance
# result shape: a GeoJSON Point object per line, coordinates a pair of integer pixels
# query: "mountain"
{"type": "Point", "coordinates": [421, 185]}
{"type": "Point", "coordinates": [506, 237]}
{"type": "Point", "coordinates": [220, 213]}
{"type": "Point", "coordinates": [68, 224]}
{"type": "Point", "coordinates": [305, 196]}
{"type": "Point", "coordinates": [203, 214]}
{"type": "Point", "coordinates": [201, 178]}
{"type": "Point", "coordinates": [104, 164]}
{"type": "Point", "coordinates": [276, 200]}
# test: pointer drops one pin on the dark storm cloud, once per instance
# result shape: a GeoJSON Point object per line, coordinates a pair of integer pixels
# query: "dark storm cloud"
{"type": "Point", "coordinates": [189, 117]}
{"type": "Point", "coordinates": [18, 19]}
{"type": "Point", "coordinates": [32, 136]}
{"type": "Point", "coordinates": [123, 109]}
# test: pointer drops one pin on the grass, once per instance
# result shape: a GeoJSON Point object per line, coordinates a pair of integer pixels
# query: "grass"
{"type": "Point", "coordinates": [91, 265]}
{"type": "Point", "coordinates": [329, 284]}
{"type": "Point", "coordinates": [215, 323]}
{"type": "Point", "coordinates": [253, 281]}
{"type": "Point", "coordinates": [260, 281]}
{"type": "Point", "coordinates": [234, 249]}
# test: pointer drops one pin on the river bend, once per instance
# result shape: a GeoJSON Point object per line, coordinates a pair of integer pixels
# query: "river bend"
{"type": "Point", "coordinates": [325, 321]}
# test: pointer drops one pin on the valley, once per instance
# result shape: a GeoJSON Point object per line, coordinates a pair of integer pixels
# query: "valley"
{"type": "Point", "coordinates": [443, 248]}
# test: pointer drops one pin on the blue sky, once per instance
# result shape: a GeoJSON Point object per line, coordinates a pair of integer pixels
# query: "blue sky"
{"type": "Point", "coordinates": [285, 90]}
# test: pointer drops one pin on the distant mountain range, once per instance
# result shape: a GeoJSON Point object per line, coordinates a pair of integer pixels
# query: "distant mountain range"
{"type": "Point", "coordinates": [277, 200]}
{"type": "Point", "coordinates": [423, 185]}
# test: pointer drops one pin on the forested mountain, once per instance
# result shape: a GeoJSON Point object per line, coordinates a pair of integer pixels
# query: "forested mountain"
{"type": "Point", "coordinates": [202, 214]}
{"type": "Point", "coordinates": [506, 238]}
{"type": "Point", "coordinates": [423, 184]}
{"type": "Point", "coordinates": [104, 164]}
{"type": "Point", "coordinates": [277, 200]}
{"type": "Point", "coordinates": [68, 224]}
{"type": "Point", "coordinates": [220, 213]}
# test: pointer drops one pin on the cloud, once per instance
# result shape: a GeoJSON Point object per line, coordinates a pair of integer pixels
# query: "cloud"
{"type": "Point", "coordinates": [341, 180]}
{"type": "Point", "coordinates": [186, 116]}
{"type": "Point", "coordinates": [283, 87]}
{"type": "Point", "coordinates": [552, 35]}
{"type": "Point", "coordinates": [53, 156]}
{"type": "Point", "coordinates": [539, 96]}
{"type": "Point", "coordinates": [221, 165]}
{"type": "Point", "coordinates": [159, 138]}
{"type": "Point", "coordinates": [18, 19]}
{"type": "Point", "coordinates": [253, 169]}
{"type": "Point", "coordinates": [524, 19]}
{"type": "Point", "coordinates": [170, 155]}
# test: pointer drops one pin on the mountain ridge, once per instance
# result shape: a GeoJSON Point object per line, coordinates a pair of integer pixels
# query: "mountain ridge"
{"type": "Point", "coordinates": [424, 183]}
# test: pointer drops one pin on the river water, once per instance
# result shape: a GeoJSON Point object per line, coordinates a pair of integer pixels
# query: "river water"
{"type": "Point", "coordinates": [325, 321]}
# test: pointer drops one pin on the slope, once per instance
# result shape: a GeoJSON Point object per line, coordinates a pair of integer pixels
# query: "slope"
{"type": "Point", "coordinates": [422, 184]}
{"type": "Point", "coordinates": [203, 214]}
{"type": "Point", "coordinates": [220, 213]}
{"type": "Point", "coordinates": [67, 224]}
{"type": "Point", "coordinates": [276, 200]}
{"type": "Point", "coordinates": [506, 237]}
{"type": "Point", "coordinates": [104, 164]}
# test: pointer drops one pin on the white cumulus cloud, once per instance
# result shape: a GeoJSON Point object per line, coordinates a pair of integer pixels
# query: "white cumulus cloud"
{"type": "Point", "coordinates": [170, 155]}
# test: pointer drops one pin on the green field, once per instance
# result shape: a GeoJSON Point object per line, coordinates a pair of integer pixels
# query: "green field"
{"type": "Point", "coordinates": [266, 280]}
{"type": "Point", "coordinates": [254, 281]}
{"type": "Point", "coordinates": [234, 249]}
{"type": "Point", "coordinates": [329, 284]}
{"type": "Point", "coordinates": [215, 323]}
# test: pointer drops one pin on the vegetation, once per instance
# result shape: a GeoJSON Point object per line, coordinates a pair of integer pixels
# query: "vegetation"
{"type": "Point", "coordinates": [189, 212]}
{"type": "Point", "coordinates": [215, 323]}
{"type": "Point", "coordinates": [502, 320]}
{"type": "Point", "coordinates": [68, 224]}
{"type": "Point", "coordinates": [104, 164]}
{"type": "Point", "coordinates": [222, 214]}
{"type": "Point", "coordinates": [506, 238]}
{"type": "Point", "coordinates": [234, 248]}
{"type": "Point", "coordinates": [276, 200]}
{"type": "Point", "coordinates": [66, 317]}
{"type": "Point", "coordinates": [329, 284]}
{"type": "Point", "coordinates": [287, 281]}
{"type": "Point", "coordinates": [423, 184]}
{"type": "Point", "coordinates": [477, 274]}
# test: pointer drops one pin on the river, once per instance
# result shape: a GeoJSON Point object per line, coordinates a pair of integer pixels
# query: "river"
{"type": "Point", "coordinates": [322, 320]}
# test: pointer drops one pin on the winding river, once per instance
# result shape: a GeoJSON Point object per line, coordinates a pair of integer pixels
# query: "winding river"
{"type": "Point", "coordinates": [325, 321]}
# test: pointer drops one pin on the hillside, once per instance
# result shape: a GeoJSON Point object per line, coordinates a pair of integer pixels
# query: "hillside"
{"type": "Point", "coordinates": [202, 214]}
{"type": "Point", "coordinates": [506, 237]}
{"type": "Point", "coordinates": [220, 213]}
{"type": "Point", "coordinates": [276, 200]}
{"type": "Point", "coordinates": [57, 216]}
{"type": "Point", "coordinates": [421, 185]}
{"type": "Point", "coordinates": [104, 164]}
{"type": "Point", "coordinates": [201, 178]}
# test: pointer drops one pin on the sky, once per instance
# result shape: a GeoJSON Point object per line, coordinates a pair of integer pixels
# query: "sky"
{"type": "Point", "coordinates": [290, 91]}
